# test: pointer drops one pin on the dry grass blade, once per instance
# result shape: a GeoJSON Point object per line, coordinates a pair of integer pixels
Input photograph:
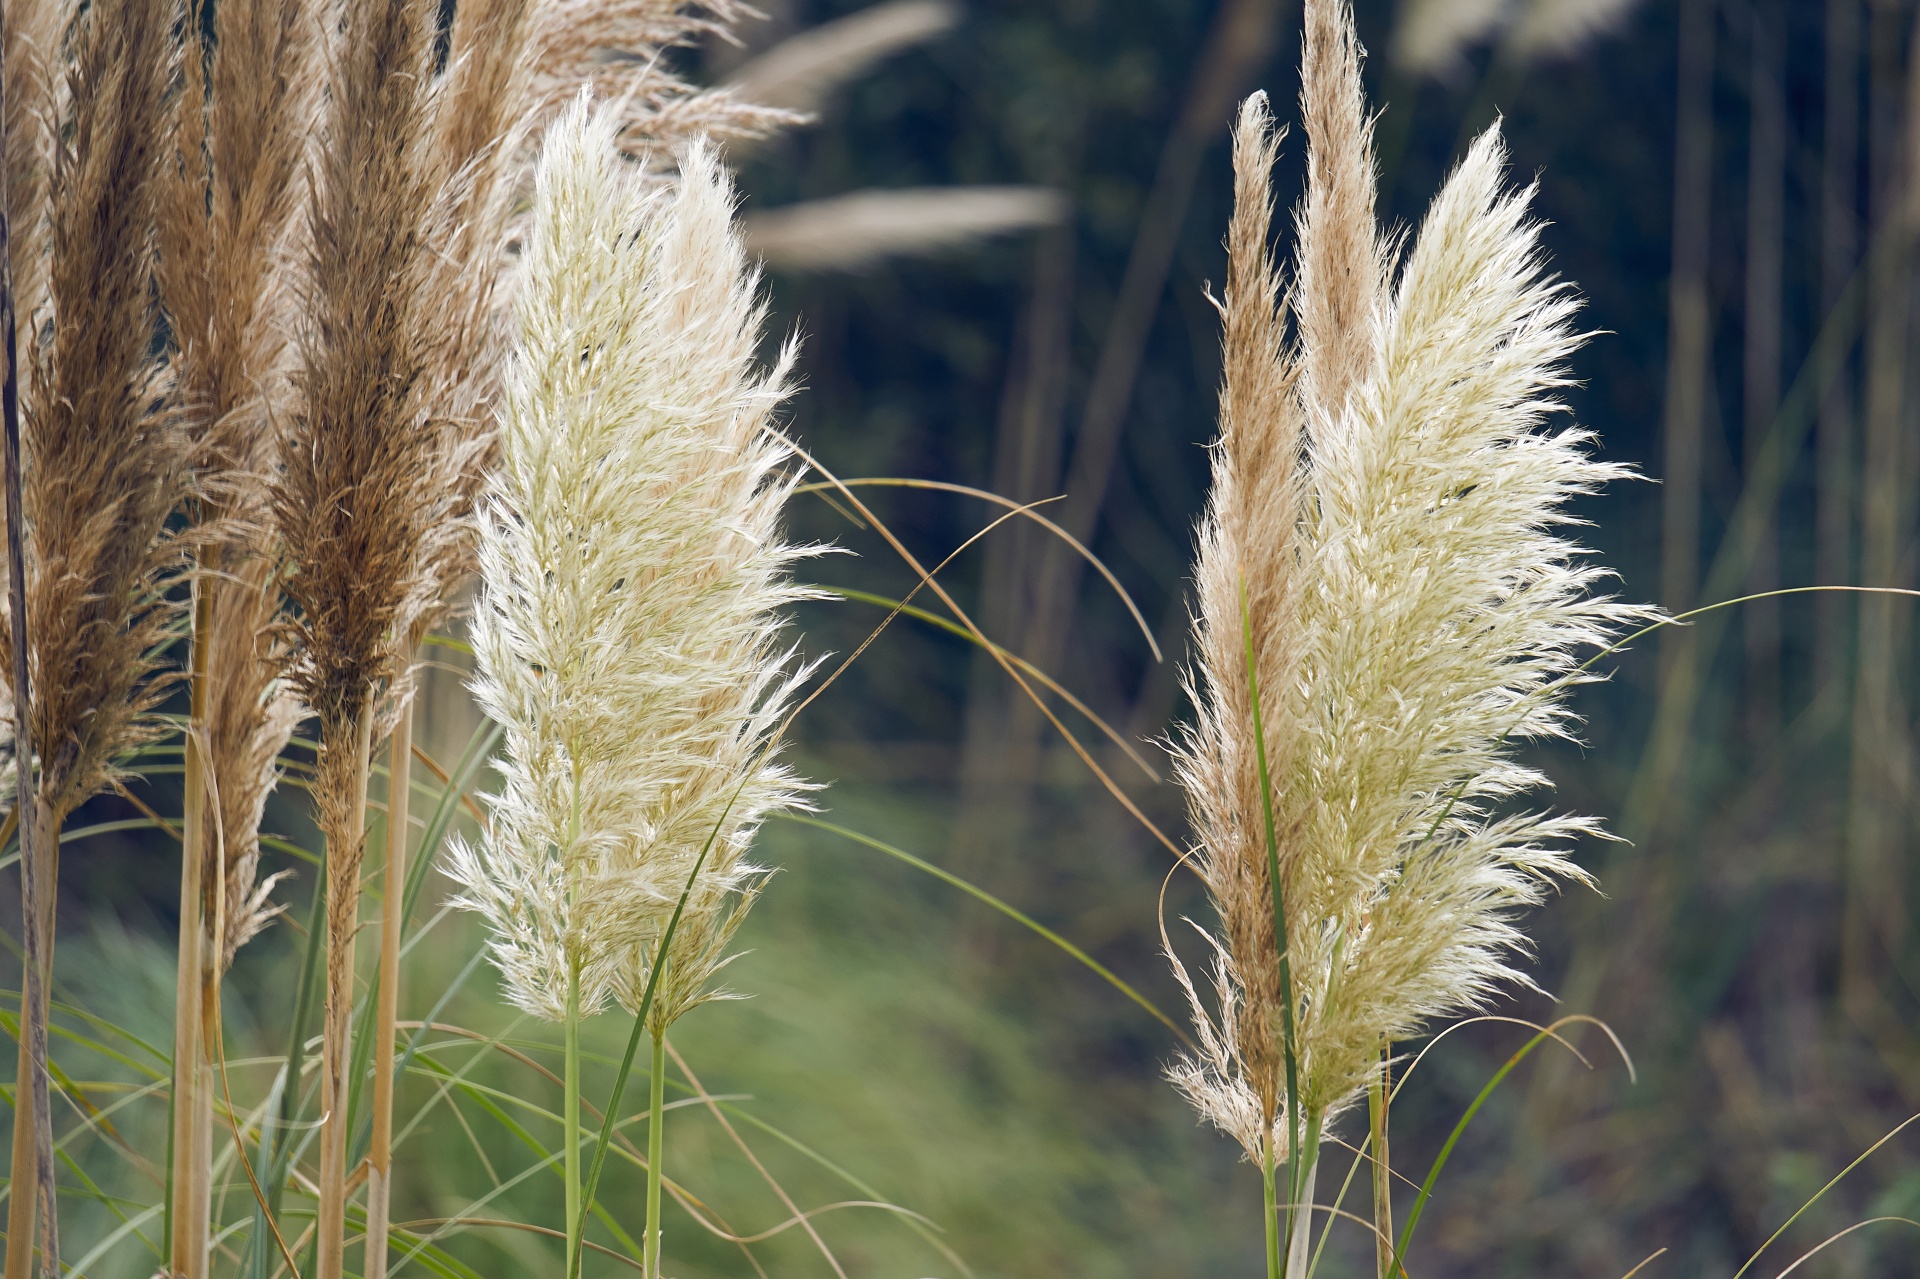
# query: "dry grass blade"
{"type": "Point", "coordinates": [849, 232]}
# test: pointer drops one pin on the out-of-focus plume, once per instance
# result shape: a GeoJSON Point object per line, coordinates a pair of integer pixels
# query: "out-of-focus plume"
{"type": "Point", "coordinates": [850, 232]}
{"type": "Point", "coordinates": [1561, 28]}
{"type": "Point", "coordinates": [1432, 37]}
{"type": "Point", "coordinates": [801, 72]}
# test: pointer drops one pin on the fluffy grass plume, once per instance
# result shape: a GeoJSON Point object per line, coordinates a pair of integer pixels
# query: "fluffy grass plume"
{"type": "Point", "coordinates": [1389, 502]}
{"type": "Point", "coordinates": [632, 574]}
{"type": "Point", "coordinates": [103, 452]}
{"type": "Point", "coordinates": [627, 629]}
{"type": "Point", "coordinates": [369, 496]}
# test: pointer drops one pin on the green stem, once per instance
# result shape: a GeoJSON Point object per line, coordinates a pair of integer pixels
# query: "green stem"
{"type": "Point", "coordinates": [571, 1136]}
{"type": "Point", "coordinates": [1279, 913]}
{"type": "Point", "coordinates": [656, 1114]}
{"type": "Point", "coordinates": [1273, 1209]}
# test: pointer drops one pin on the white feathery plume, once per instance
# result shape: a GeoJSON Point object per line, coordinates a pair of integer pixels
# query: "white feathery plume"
{"type": "Point", "coordinates": [1413, 608]}
{"type": "Point", "coordinates": [632, 580]}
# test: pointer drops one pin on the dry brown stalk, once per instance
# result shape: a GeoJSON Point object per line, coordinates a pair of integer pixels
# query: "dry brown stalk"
{"type": "Point", "coordinates": [387, 1001]}
{"type": "Point", "coordinates": [104, 453]}
{"type": "Point", "coordinates": [228, 213]}
{"type": "Point", "coordinates": [362, 498]}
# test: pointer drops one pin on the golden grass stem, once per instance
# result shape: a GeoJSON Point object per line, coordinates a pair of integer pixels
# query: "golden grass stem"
{"type": "Point", "coordinates": [576, 1225]}
{"type": "Point", "coordinates": [1269, 1200]}
{"type": "Point", "coordinates": [656, 1117]}
{"type": "Point", "coordinates": [343, 901]}
{"type": "Point", "coordinates": [387, 1007]}
{"type": "Point", "coordinates": [1382, 1169]}
{"type": "Point", "coordinates": [187, 1182]}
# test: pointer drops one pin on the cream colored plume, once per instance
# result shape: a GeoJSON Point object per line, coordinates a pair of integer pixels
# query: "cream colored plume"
{"type": "Point", "coordinates": [1414, 610]}
{"type": "Point", "coordinates": [633, 575]}
{"type": "Point", "coordinates": [801, 71]}
{"type": "Point", "coordinates": [849, 232]}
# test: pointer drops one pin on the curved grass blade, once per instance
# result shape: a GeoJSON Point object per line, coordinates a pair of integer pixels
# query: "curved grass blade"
{"type": "Point", "coordinates": [1017, 508]}
{"type": "Point", "coordinates": [1453, 1138]}
{"type": "Point", "coordinates": [1047, 681]}
{"type": "Point", "coordinates": [1011, 912]}
{"type": "Point", "coordinates": [1821, 1193]}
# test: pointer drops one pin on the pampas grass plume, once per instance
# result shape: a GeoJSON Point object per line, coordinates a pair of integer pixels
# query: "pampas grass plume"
{"type": "Point", "coordinates": [1414, 607]}
{"type": "Point", "coordinates": [632, 575]}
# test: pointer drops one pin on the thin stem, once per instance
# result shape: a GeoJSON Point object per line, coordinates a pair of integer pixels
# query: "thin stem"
{"type": "Point", "coordinates": [656, 1111]}
{"type": "Point", "coordinates": [1270, 1199]}
{"type": "Point", "coordinates": [1279, 912]}
{"type": "Point", "coordinates": [1382, 1170]}
{"type": "Point", "coordinates": [387, 1006]}
{"type": "Point", "coordinates": [276, 1139]}
{"type": "Point", "coordinates": [343, 910]}
{"type": "Point", "coordinates": [188, 1200]}
{"type": "Point", "coordinates": [571, 1108]}
{"type": "Point", "coordinates": [1305, 1169]}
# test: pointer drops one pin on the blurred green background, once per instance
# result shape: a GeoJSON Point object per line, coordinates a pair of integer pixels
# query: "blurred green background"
{"type": "Point", "coordinates": [1734, 186]}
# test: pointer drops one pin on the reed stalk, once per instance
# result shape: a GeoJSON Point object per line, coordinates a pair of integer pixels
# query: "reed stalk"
{"type": "Point", "coordinates": [1378, 1094]}
{"type": "Point", "coordinates": [32, 1114]}
{"type": "Point", "coordinates": [100, 470]}
{"type": "Point", "coordinates": [656, 1127]}
{"type": "Point", "coordinates": [570, 1127]}
{"type": "Point", "coordinates": [189, 1192]}
{"type": "Point", "coordinates": [387, 999]}
{"type": "Point", "coordinates": [349, 776]}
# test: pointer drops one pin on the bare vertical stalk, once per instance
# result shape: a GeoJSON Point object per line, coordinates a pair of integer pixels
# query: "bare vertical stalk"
{"type": "Point", "coordinates": [1766, 226]}
{"type": "Point", "coordinates": [188, 1191]}
{"type": "Point", "coordinates": [343, 902]}
{"type": "Point", "coordinates": [1882, 743]}
{"type": "Point", "coordinates": [570, 1126]}
{"type": "Point", "coordinates": [1839, 236]}
{"type": "Point", "coordinates": [1688, 322]}
{"type": "Point", "coordinates": [33, 1119]}
{"type": "Point", "coordinates": [387, 1006]}
{"type": "Point", "coordinates": [1379, 1093]}
{"type": "Point", "coordinates": [656, 1121]}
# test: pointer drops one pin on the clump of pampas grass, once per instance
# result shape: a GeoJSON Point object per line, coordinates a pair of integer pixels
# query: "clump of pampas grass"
{"type": "Point", "coordinates": [1383, 566]}
{"type": "Point", "coordinates": [103, 452]}
{"type": "Point", "coordinates": [626, 631]}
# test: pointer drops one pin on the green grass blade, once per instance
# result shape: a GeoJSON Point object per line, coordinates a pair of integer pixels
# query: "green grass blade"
{"type": "Point", "coordinates": [1296, 1166]}
{"type": "Point", "coordinates": [1011, 912]}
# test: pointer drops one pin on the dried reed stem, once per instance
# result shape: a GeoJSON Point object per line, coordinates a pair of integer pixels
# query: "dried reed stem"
{"type": "Point", "coordinates": [387, 1000]}
{"type": "Point", "coordinates": [32, 1112]}
{"type": "Point", "coordinates": [189, 1182]}
{"type": "Point", "coordinates": [103, 457]}
{"type": "Point", "coordinates": [343, 777]}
